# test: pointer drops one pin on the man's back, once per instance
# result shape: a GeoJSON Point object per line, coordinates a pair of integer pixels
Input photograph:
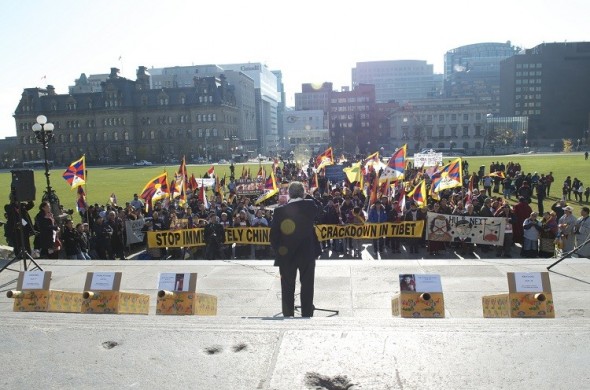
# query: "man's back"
{"type": "Point", "coordinates": [292, 233]}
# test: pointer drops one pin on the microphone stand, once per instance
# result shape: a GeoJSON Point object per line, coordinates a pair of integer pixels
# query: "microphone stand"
{"type": "Point", "coordinates": [563, 257]}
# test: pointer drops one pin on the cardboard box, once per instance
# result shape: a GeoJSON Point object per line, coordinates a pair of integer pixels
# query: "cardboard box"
{"type": "Point", "coordinates": [420, 296]}
{"type": "Point", "coordinates": [518, 305]}
{"type": "Point", "coordinates": [535, 302]}
{"type": "Point", "coordinates": [111, 300]}
{"type": "Point", "coordinates": [177, 296]}
{"type": "Point", "coordinates": [186, 303]}
{"type": "Point", "coordinates": [42, 299]}
{"type": "Point", "coordinates": [418, 305]}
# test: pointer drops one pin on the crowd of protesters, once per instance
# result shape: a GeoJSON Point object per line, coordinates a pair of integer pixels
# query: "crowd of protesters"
{"type": "Point", "coordinates": [101, 233]}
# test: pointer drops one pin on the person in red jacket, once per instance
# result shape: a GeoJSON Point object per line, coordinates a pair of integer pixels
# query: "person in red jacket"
{"type": "Point", "coordinates": [521, 211]}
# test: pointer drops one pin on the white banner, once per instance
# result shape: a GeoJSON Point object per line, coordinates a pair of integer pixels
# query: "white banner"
{"type": "Point", "coordinates": [428, 159]}
{"type": "Point", "coordinates": [210, 182]}
{"type": "Point", "coordinates": [465, 229]}
{"type": "Point", "coordinates": [133, 230]}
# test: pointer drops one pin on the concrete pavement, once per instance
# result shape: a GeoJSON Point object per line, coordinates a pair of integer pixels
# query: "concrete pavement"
{"type": "Point", "coordinates": [250, 346]}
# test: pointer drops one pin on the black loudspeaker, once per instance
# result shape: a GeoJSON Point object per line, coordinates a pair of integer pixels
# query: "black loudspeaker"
{"type": "Point", "coordinates": [23, 185]}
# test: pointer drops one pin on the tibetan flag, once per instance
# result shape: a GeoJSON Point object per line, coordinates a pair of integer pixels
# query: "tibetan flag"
{"type": "Point", "coordinates": [314, 183]}
{"type": "Point", "coordinates": [418, 194]}
{"type": "Point", "coordinates": [499, 174]}
{"type": "Point", "coordinates": [449, 176]}
{"type": "Point", "coordinates": [353, 173]}
{"type": "Point", "coordinates": [270, 189]}
{"type": "Point", "coordinates": [211, 171]}
{"type": "Point", "coordinates": [81, 205]}
{"type": "Point", "coordinates": [373, 161]}
{"type": "Point", "coordinates": [374, 190]}
{"type": "Point", "coordinates": [203, 197]}
{"type": "Point", "coordinates": [396, 166]}
{"type": "Point", "coordinates": [469, 194]}
{"type": "Point", "coordinates": [156, 189]}
{"type": "Point", "coordinates": [179, 184]}
{"type": "Point", "coordinates": [75, 174]}
{"type": "Point", "coordinates": [192, 183]}
{"type": "Point", "coordinates": [430, 171]}
{"type": "Point", "coordinates": [401, 198]}
{"type": "Point", "coordinates": [324, 159]}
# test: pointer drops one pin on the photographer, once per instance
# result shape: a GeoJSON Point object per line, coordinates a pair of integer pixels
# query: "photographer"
{"type": "Point", "coordinates": [47, 241]}
{"type": "Point", "coordinates": [214, 238]}
{"type": "Point", "coordinates": [17, 218]}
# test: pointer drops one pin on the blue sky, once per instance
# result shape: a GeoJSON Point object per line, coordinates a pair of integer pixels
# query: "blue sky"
{"type": "Point", "coordinates": [309, 41]}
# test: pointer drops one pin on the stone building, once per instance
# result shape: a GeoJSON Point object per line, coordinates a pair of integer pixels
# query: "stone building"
{"type": "Point", "coordinates": [128, 121]}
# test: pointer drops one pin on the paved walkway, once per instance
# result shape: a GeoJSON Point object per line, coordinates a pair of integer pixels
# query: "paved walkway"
{"type": "Point", "coordinates": [250, 346]}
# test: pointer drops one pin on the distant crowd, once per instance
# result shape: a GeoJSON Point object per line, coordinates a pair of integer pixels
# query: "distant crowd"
{"type": "Point", "coordinates": [101, 234]}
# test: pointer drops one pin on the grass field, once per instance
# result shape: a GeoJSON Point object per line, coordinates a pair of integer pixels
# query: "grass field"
{"type": "Point", "coordinates": [125, 181]}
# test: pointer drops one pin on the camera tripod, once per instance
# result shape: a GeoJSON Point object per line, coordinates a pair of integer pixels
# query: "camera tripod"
{"type": "Point", "coordinates": [22, 251]}
{"type": "Point", "coordinates": [24, 256]}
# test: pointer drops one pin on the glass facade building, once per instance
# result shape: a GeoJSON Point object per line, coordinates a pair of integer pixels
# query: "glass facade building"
{"type": "Point", "coordinates": [473, 71]}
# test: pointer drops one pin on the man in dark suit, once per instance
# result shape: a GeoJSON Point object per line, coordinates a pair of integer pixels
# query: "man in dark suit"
{"type": "Point", "coordinates": [296, 247]}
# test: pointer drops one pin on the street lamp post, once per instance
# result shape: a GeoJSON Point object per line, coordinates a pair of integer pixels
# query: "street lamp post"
{"type": "Point", "coordinates": [44, 133]}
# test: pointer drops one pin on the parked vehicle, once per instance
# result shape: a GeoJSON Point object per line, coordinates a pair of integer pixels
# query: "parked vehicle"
{"type": "Point", "coordinates": [142, 163]}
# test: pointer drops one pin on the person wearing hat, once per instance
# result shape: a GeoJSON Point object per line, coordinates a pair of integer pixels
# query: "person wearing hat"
{"type": "Point", "coordinates": [566, 226]}
{"type": "Point", "coordinates": [558, 208]}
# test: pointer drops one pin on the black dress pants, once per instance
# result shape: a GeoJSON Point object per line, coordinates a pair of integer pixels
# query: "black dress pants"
{"type": "Point", "coordinates": [288, 272]}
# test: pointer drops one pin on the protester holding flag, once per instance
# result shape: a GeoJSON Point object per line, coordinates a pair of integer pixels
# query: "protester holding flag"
{"type": "Point", "coordinates": [75, 173]}
{"type": "Point", "coordinates": [324, 159]}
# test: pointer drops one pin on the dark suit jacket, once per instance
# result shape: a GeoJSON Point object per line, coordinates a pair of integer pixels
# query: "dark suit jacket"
{"type": "Point", "coordinates": [292, 233]}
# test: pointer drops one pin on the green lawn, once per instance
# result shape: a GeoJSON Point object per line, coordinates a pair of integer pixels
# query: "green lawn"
{"type": "Point", "coordinates": [125, 181]}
